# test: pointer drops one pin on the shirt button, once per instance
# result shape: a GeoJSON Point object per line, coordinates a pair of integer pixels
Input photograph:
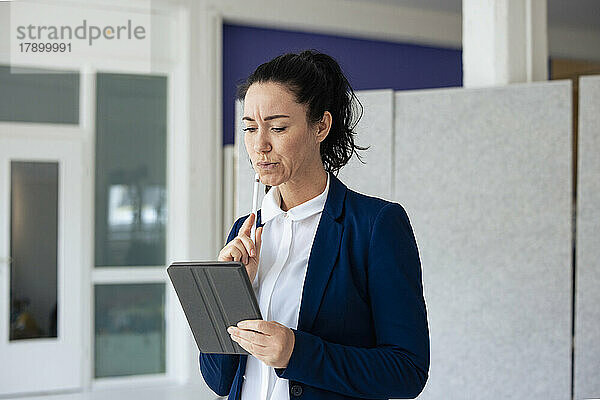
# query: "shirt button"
{"type": "Point", "coordinates": [285, 215]}
{"type": "Point", "coordinates": [296, 390]}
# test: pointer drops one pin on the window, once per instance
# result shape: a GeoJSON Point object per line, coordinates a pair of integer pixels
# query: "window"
{"type": "Point", "coordinates": [129, 329]}
{"type": "Point", "coordinates": [42, 96]}
{"type": "Point", "coordinates": [130, 170]}
{"type": "Point", "coordinates": [130, 223]}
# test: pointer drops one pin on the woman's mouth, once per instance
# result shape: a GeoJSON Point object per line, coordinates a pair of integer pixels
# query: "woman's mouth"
{"type": "Point", "coordinates": [267, 166]}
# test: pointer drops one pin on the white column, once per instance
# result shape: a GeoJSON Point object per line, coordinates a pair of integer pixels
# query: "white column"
{"type": "Point", "coordinates": [201, 182]}
{"type": "Point", "coordinates": [504, 41]}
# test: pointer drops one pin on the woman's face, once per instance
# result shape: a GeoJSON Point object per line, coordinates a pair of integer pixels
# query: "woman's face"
{"type": "Point", "coordinates": [277, 132]}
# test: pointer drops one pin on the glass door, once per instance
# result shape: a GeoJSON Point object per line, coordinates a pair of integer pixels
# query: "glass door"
{"type": "Point", "coordinates": [40, 265]}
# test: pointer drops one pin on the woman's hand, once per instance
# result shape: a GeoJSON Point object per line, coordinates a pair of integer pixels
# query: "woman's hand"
{"type": "Point", "coordinates": [241, 248]}
{"type": "Point", "coordinates": [269, 341]}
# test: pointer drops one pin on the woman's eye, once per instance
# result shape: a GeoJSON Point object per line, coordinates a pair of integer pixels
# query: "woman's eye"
{"type": "Point", "coordinates": [253, 129]}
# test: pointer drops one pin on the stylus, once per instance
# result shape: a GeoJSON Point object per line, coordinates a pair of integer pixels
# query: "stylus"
{"type": "Point", "coordinates": [254, 204]}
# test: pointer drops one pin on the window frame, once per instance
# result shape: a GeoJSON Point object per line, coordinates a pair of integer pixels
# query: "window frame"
{"type": "Point", "coordinates": [133, 274]}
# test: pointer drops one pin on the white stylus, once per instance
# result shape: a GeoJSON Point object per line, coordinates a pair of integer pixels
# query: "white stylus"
{"type": "Point", "coordinates": [254, 205]}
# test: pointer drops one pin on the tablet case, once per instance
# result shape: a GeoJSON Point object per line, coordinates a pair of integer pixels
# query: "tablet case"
{"type": "Point", "coordinates": [214, 295]}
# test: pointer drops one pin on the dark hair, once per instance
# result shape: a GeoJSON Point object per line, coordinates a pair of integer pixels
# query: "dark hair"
{"type": "Point", "coordinates": [317, 80]}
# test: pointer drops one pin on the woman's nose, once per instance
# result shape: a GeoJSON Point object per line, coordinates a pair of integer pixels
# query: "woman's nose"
{"type": "Point", "coordinates": [261, 142]}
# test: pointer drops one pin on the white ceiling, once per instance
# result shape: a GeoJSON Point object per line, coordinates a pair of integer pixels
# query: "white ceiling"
{"type": "Point", "coordinates": [572, 13]}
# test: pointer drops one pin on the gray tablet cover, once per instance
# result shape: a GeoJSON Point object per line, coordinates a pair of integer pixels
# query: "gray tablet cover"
{"type": "Point", "coordinates": [214, 295]}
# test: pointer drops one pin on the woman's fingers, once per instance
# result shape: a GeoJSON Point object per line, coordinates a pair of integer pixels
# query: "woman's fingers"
{"type": "Point", "coordinates": [258, 241]}
{"type": "Point", "coordinates": [247, 226]}
{"type": "Point", "coordinates": [248, 245]}
{"type": "Point", "coordinates": [237, 254]}
{"type": "Point", "coordinates": [225, 257]}
{"type": "Point", "coordinates": [242, 248]}
{"type": "Point", "coordinates": [245, 240]}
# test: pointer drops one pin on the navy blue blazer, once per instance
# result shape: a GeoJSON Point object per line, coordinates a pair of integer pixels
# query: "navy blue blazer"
{"type": "Point", "coordinates": [362, 329]}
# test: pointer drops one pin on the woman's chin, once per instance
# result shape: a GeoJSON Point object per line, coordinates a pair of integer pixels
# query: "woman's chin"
{"type": "Point", "coordinates": [268, 179]}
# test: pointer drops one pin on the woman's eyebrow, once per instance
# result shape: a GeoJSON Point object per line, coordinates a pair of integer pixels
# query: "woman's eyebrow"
{"type": "Point", "coordinates": [270, 117]}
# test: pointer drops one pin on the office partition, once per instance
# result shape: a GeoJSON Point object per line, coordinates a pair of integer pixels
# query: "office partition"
{"type": "Point", "coordinates": [587, 299]}
{"type": "Point", "coordinates": [485, 176]}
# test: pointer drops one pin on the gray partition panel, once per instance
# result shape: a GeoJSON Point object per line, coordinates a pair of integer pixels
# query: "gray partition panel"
{"type": "Point", "coordinates": [374, 129]}
{"type": "Point", "coordinates": [485, 177]}
{"type": "Point", "coordinates": [587, 311]}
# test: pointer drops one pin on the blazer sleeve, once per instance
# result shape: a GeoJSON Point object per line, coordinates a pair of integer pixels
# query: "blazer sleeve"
{"type": "Point", "coordinates": [398, 366]}
{"type": "Point", "coordinates": [219, 370]}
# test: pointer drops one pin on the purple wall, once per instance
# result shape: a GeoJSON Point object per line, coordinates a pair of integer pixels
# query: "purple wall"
{"type": "Point", "coordinates": [368, 64]}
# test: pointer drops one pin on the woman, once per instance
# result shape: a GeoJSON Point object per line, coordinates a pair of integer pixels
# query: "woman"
{"type": "Point", "coordinates": [337, 273]}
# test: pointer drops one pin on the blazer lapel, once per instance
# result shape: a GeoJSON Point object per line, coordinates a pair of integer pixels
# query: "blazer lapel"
{"type": "Point", "coordinates": [324, 252]}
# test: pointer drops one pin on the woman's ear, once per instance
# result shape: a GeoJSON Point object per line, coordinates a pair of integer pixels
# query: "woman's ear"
{"type": "Point", "coordinates": [324, 126]}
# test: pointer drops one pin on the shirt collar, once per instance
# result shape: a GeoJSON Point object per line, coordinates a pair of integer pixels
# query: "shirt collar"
{"type": "Point", "coordinates": [271, 205]}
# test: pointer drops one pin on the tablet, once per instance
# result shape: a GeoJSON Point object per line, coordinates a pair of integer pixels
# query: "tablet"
{"type": "Point", "coordinates": [214, 295]}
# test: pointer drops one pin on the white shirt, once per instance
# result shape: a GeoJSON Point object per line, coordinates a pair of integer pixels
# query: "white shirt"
{"type": "Point", "coordinates": [286, 242]}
